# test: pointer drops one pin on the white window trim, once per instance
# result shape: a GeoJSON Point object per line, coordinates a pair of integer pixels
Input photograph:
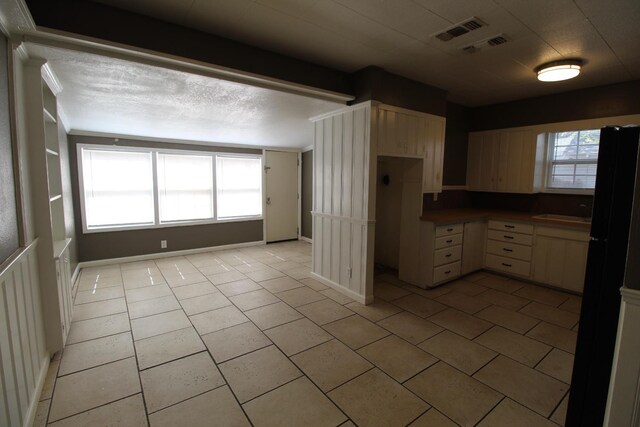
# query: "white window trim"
{"type": "Point", "coordinates": [157, 223]}
{"type": "Point", "coordinates": [546, 170]}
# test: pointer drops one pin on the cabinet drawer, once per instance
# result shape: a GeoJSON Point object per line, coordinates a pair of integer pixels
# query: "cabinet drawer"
{"type": "Point", "coordinates": [447, 255]}
{"type": "Point", "coordinates": [505, 236]}
{"type": "Point", "coordinates": [448, 241]}
{"type": "Point", "coordinates": [446, 272]}
{"type": "Point", "coordinates": [509, 250]}
{"type": "Point", "coordinates": [514, 227]}
{"type": "Point", "coordinates": [508, 265]}
{"type": "Point", "coordinates": [446, 230]}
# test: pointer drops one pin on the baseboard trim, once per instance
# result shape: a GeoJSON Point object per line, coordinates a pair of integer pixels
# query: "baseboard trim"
{"type": "Point", "coordinates": [362, 299]}
{"type": "Point", "coordinates": [33, 405]}
{"type": "Point", "coordinates": [306, 239]}
{"type": "Point", "coordinates": [183, 252]}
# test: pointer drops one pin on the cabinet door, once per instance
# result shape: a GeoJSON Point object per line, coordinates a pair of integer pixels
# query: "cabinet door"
{"type": "Point", "coordinates": [434, 158]}
{"type": "Point", "coordinates": [516, 161]}
{"type": "Point", "coordinates": [489, 161]}
{"type": "Point", "coordinates": [473, 246]}
{"type": "Point", "coordinates": [474, 161]}
{"type": "Point", "coordinates": [560, 262]}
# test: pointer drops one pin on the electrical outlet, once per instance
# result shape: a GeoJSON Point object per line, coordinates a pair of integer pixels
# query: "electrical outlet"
{"type": "Point", "coordinates": [163, 244]}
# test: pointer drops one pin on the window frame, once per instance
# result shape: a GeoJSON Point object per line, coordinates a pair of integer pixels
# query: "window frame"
{"type": "Point", "coordinates": [156, 201]}
{"type": "Point", "coordinates": [548, 166]}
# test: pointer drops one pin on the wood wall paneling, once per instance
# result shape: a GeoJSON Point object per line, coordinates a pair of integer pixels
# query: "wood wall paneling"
{"type": "Point", "coordinates": [342, 239]}
{"type": "Point", "coordinates": [23, 357]}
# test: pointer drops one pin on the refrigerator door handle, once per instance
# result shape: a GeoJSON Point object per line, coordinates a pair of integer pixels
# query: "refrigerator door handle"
{"type": "Point", "coordinates": [598, 239]}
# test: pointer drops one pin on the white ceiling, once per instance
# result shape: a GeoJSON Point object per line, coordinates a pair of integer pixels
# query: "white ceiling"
{"type": "Point", "coordinates": [397, 35]}
{"type": "Point", "coordinates": [114, 96]}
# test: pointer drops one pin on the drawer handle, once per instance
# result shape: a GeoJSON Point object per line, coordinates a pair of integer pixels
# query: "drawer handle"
{"type": "Point", "coordinates": [448, 256]}
{"type": "Point", "coordinates": [506, 265]}
{"type": "Point", "coordinates": [449, 229]}
{"type": "Point", "coordinates": [507, 250]}
{"type": "Point", "coordinates": [509, 226]}
{"type": "Point", "coordinates": [508, 237]}
{"type": "Point", "coordinates": [447, 272]}
{"type": "Point", "coordinates": [449, 241]}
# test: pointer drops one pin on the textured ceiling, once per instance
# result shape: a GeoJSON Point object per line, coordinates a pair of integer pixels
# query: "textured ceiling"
{"type": "Point", "coordinates": [106, 95]}
{"type": "Point", "coordinates": [397, 35]}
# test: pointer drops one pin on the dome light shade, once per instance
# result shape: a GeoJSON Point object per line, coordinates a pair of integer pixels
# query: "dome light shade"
{"type": "Point", "coordinates": [559, 70]}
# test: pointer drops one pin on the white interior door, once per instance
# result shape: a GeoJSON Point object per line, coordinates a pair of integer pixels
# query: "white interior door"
{"type": "Point", "coordinates": [281, 183]}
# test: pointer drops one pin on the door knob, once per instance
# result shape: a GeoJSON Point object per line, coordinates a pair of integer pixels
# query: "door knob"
{"type": "Point", "coordinates": [268, 200]}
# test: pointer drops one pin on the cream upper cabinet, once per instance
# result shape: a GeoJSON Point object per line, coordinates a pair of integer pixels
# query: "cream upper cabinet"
{"type": "Point", "coordinates": [560, 257]}
{"type": "Point", "coordinates": [504, 161]}
{"type": "Point", "coordinates": [406, 133]}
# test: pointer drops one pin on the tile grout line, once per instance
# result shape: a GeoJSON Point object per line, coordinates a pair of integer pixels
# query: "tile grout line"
{"type": "Point", "coordinates": [321, 326]}
{"type": "Point", "coordinates": [215, 364]}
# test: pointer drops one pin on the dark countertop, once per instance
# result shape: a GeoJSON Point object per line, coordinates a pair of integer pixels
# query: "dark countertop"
{"type": "Point", "coordinates": [450, 216]}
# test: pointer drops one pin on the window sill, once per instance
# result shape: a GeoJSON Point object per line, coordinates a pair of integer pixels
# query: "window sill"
{"type": "Point", "coordinates": [576, 191]}
{"type": "Point", "coordinates": [171, 225]}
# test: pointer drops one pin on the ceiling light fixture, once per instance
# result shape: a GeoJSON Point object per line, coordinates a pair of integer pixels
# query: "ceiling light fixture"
{"type": "Point", "coordinates": [559, 70]}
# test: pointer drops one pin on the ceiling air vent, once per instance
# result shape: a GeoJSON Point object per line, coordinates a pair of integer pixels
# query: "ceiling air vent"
{"type": "Point", "coordinates": [491, 41]}
{"type": "Point", "coordinates": [496, 41]}
{"type": "Point", "coordinates": [473, 24]}
{"type": "Point", "coordinates": [459, 29]}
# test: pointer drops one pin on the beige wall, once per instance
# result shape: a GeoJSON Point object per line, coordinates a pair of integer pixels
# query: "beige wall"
{"type": "Point", "coordinates": [117, 244]}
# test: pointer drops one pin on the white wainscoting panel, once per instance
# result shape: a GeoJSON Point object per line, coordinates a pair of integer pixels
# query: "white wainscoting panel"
{"type": "Point", "coordinates": [23, 355]}
{"type": "Point", "coordinates": [344, 201]}
{"type": "Point", "coordinates": [623, 405]}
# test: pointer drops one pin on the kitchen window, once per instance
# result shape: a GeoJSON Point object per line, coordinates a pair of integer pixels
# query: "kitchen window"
{"type": "Point", "coordinates": [134, 188]}
{"type": "Point", "coordinates": [572, 160]}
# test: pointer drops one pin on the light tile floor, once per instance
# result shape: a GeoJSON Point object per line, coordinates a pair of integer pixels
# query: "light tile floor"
{"type": "Point", "coordinates": [245, 337]}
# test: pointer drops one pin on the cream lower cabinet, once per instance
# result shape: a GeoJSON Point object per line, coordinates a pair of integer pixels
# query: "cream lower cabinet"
{"type": "Point", "coordinates": [435, 257]}
{"type": "Point", "coordinates": [560, 257]}
{"type": "Point", "coordinates": [473, 246]}
{"type": "Point", "coordinates": [509, 248]}
{"type": "Point", "coordinates": [63, 276]}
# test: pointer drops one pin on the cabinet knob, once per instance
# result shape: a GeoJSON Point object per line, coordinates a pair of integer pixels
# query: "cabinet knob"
{"type": "Point", "coordinates": [506, 265]}
{"type": "Point", "coordinates": [508, 237]}
{"type": "Point", "coordinates": [449, 241]}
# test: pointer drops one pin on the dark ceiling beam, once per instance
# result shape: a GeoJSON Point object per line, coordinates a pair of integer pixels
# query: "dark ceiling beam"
{"type": "Point", "coordinates": [115, 25]}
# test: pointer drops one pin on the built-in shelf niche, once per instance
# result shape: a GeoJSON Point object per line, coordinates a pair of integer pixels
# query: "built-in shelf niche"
{"type": "Point", "coordinates": [41, 87]}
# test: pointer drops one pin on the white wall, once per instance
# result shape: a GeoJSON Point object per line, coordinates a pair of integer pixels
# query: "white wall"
{"type": "Point", "coordinates": [344, 202]}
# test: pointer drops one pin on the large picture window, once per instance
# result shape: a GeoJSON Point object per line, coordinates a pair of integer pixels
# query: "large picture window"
{"type": "Point", "coordinates": [117, 188]}
{"type": "Point", "coordinates": [239, 187]}
{"type": "Point", "coordinates": [185, 187]}
{"type": "Point", "coordinates": [124, 187]}
{"type": "Point", "coordinates": [573, 159]}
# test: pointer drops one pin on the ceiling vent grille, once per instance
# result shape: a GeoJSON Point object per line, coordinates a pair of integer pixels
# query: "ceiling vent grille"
{"type": "Point", "coordinates": [491, 41]}
{"type": "Point", "coordinates": [497, 41]}
{"type": "Point", "coordinates": [470, 49]}
{"type": "Point", "coordinates": [460, 29]}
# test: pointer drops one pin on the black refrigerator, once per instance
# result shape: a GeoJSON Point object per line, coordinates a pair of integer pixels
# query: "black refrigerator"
{"type": "Point", "coordinates": [606, 261]}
